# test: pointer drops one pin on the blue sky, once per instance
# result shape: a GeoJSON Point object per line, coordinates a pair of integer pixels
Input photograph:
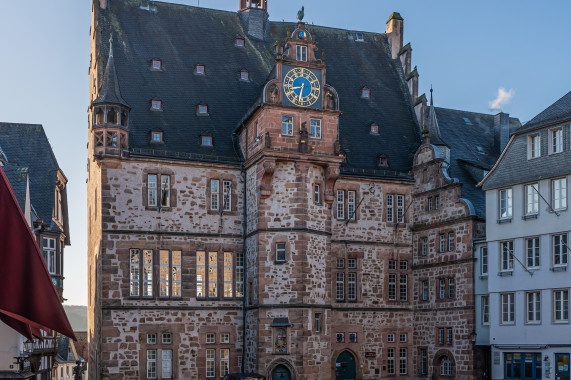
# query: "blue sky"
{"type": "Point", "coordinates": [467, 50]}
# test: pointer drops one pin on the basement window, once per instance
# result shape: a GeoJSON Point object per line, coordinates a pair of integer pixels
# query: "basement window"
{"type": "Point", "coordinates": [359, 37]}
{"type": "Point", "coordinates": [240, 42]}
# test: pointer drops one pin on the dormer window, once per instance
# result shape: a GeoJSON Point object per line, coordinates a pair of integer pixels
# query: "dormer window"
{"type": "Point", "coordinates": [200, 69]}
{"type": "Point", "coordinates": [206, 140]}
{"type": "Point", "coordinates": [359, 37]}
{"type": "Point", "coordinates": [157, 64]}
{"type": "Point", "coordinates": [156, 137]}
{"type": "Point", "coordinates": [301, 52]}
{"type": "Point", "coordinates": [240, 42]}
{"type": "Point", "coordinates": [374, 128]}
{"type": "Point", "coordinates": [244, 75]}
{"type": "Point", "coordinates": [156, 105]}
{"type": "Point", "coordinates": [203, 109]}
{"type": "Point", "coordinates": [467, 121]}
{"type": "Point", "coordinates": [383, 161]}
{"type": "Point", "coordinates": [365, 93]}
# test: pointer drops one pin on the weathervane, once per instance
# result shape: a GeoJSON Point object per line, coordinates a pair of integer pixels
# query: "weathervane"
{"type": "Point", "coordinates": [301, 14]}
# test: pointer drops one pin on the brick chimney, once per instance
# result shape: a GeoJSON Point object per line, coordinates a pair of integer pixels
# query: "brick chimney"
{"type": "Point", "coordinates": [395, 33]}
{"type": "Point", "coordinates": [501, 130]}
{"type": "Point", "coordinates": [254, 17]}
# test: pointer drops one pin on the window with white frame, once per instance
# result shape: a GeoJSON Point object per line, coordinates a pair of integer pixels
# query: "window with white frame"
{"type": "Point", "coordinates": [301, 53]}
{"type": "Point", "coordinates": [436, 202]}
{"type": "Point", "coordinates": [210, 362]}
{"type": "Point", "coordinates": [166, 364]}
{"type": "Point", "coordinates": [403, 287]}
{"type": "Point", "coordinates": [225, 338]}
{"type": "Point", "coordinates": [423, 246]}
{"type": "Point", "coordinates": [281, 250]}
{"type": "Point", "coordinates": [441, 335]}
{"type": "Point", "coordinates": [224, 362]}
{"type": "Point", "coordinates": [451, 245]}
{"type": "Point", "coordinates": [166, 338]}
{"type": "Point", "coordinates": [315, 128]}
{"type": "Point", "coordinates": [390, 208]}
{"type": "Point", "coordinates": [400, 208]}
{"type": "Point", "coordinates": [533, 146]}
{"type": "Point", "coordinates": [220, 196]}
{"type": "Point", "coordinates": [560, 250]}
{"type": "Point", "coordinates": [445, 366]}
{"type": "Point", "coordinates": [485, 310]}
{"type": "Point", "coordinates": [151, 338]}
{"type": "Point", "coordinates": [561, 305]}
{"type": "Point", "coordinates": [556, 140]}
{"type": "Point", "coordinates": [532, 248]}
{"type": "Point", "coordinates": [151, 364]}
{"type": "Point", "coordinates": [403, 361]}
{"type": "Point", "coordinates": [316, 194]}
{"type": "Point", "coordinates": [49, 249]}
{"type": "Point", "coordinates": [391, 338]}
{"type": "Point", "coordinates": [442, 243]}
{"type": "Point", "coordinates": [228, 275]}
{"type": "Point", "coordinates": [532, 199]}
{"type": "Point", "coordinates": [484, 261]}
{"type": "Point", "coordinates": [533, 307]}
{"type": "Point", "coordinates": [507, 248]}
{"type": "Point", "coordinates": [346, 205]}
{"type": "Point", "coordinates": [353, 337]}
{"type": "Point", "coordinates": [402, 338]}
{"type": "Point", "coordinates": [155, 196]}
{"type": "Point", "coordinates": [346, 280]}
{"type": "Point", "coordinates": [392, 287]}
{"type": "Point", "coordinates": [507, 308]}
{"type": "Point", "coordinates": [169, 273]}
{"type": "Point", "coordinates": [141, 268]}
{"type": "Point", "coordinates": [506, 204]}
{"type": "Point", "coordinates": [559, 194]}
{"type": "Point", "coordinates": [339, 286]}
{"type": "Point", "coordinates": [442, 288]}
{"type": "Point", "coordinates": [287, 126]}
{"type": "Point", "coordinates": [449, 336]}
{"type": "Point", "coordinates": [206, 274]}
{"type": "Point", "coordinates": [317, 322]}
{"type": "Point", "coordinates": [239, 274]}
{"type": "Point", "coordinates": [391, 361]}
{"type": "Point", "coordinates": [451, 288]}
{"type": "Point", "coordinates": [423, 361]}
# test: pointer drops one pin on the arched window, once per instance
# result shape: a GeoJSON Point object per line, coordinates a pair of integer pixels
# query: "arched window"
{"type": "Point", "coordinates": [99, 116]}
{"type": "Point", "coordinates": [445, 366]}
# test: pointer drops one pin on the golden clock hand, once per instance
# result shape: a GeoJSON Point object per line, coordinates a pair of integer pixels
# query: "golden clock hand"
{"type": "Point", "coordinates": [301, 92]}
{"type": "Point", "coordinates": [295, 88]}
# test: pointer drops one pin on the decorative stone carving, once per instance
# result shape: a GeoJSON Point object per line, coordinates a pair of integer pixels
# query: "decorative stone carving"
{"type": "Point", "coordinates": [330, 100]}
{"type": "Point", "coordinates": [331, 175]}
{"type": "Point", "coordinates": [273, 94]}
{"type": "Point", "coordinates": [303, 138]}
{"type": "Point", "coordinates": [266, 172]}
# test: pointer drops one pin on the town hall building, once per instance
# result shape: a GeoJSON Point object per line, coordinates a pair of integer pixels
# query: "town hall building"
{"type": "Point", "coordinates": [276, 197]}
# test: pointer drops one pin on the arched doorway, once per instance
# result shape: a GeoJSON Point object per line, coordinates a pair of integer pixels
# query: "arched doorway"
{"type": "Point", "coordinates": [281, 373]}
{"type": "Point", "coordinates": [345, 366]}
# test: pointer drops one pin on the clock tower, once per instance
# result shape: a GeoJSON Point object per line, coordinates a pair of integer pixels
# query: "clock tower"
{"type": "Point", "coordinates": [292, 158]}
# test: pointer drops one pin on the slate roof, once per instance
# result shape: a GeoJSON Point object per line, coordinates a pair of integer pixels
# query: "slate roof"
{"type": "Point", "coordinates": [467, 161]}
{"type": "Point", "coordinates": [28, 150]}
{"type": "Point", "coordinates": [183, 36]}
{"type": "Point", "coordinates": [64, 353]}
{"type": "Point", "coordinates": [110, 91]}
{"type": "Point", "coordinates": [559, 110]}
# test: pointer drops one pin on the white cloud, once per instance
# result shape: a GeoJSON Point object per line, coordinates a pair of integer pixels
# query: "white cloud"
{"type": "Point", "coordinates": [503, 98]}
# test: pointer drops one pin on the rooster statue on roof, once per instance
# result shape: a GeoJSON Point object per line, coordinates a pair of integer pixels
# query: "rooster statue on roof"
{"type": "Point", "coordinates": [300, 14]}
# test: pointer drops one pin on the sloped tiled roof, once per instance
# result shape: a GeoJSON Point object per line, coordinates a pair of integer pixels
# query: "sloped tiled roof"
{"type": "Point", "coordinates": [559, 110]}
{"type": "Point", "coordinates": [472, 149]}
{"type": "Point", "coordinates": [184, 36]}
{"type": "Point", "coordinates": [28, 151]}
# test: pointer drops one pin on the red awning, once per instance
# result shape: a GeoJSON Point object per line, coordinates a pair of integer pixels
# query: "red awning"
{"type": "Point", "coordinates": [28, 299]}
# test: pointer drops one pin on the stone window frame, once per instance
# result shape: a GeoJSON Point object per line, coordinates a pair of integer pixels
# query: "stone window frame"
{"type": "Point", "coordinates": [442, 242]}
{"type": "Point", "coordinates": [423, 360]}
{"type": "Point", "coordinates": [447, 289]}
{"type": "Point", "coordinates": [403, 369]}
{"type": "Point", "coordinates": [394, 208]}
{"type": "Point", "coordinates": [451, 242]}
{"type": "Point", "coordinates": [444, 336]}
{"type": "Point", "coordinates": [217, 346]}
{"type": "Point", "coordinates": [159, 172]}
{"type": "Point", "coordinates": [158, 134]}
{"type": "Point", "coordinates": [275, 331]}
{"type": "Point", "coordinates": [287, 126]}
{"type": "Point", "coordinates": [347, 271]}
{"type": "Point", "coordinates": [398, 274]}
{"type": "Point", "coordinates": [318, 322]}
{"type": "Point", "coordinates": [422, 283]}
{"type": "Point", "coordinates": [280, 247]}
{"type": "Point", "coordinates": [346, 189]}
{"type": "Point", "coordinates": [233, 211]}
{"type": "Point", "coordinates": [220, 255]}
{"type": "Point", "coordinates": [171, 280]}
{"type": "Point", "coordinates": [315, 128]}
{"type": "Point", "coordinates": [317, 193]}
{"type": "Point", "coordinates": [423, 249]}
{"type": "Point", "coordinates": [391, 360]}
{"type": "Point", "coordinates": [158, 347]}
{"type": "Point", "coordinates": [140, 281]}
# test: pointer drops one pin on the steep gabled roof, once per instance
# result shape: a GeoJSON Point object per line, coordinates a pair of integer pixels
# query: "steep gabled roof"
{"type": "Point", "coordinates": [470, 136]}
{"type": "Point", "coordinates": [185, 36]}
{"type": "Point", "coordinates": [29, 151]}
{"type": "Point", "coordinates": [560, 110]}
{"type": "Point", "coordinates": [110, 91]}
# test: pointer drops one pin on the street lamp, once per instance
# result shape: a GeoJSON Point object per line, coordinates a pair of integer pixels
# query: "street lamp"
{"type": "Point", "coordinates": [28, 347]}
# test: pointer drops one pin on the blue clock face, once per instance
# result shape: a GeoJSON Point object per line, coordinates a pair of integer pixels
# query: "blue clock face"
{"type": "Point", "coordinates": [301, 35]}
{"type": "Point", "coordinates": [301, 87]}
